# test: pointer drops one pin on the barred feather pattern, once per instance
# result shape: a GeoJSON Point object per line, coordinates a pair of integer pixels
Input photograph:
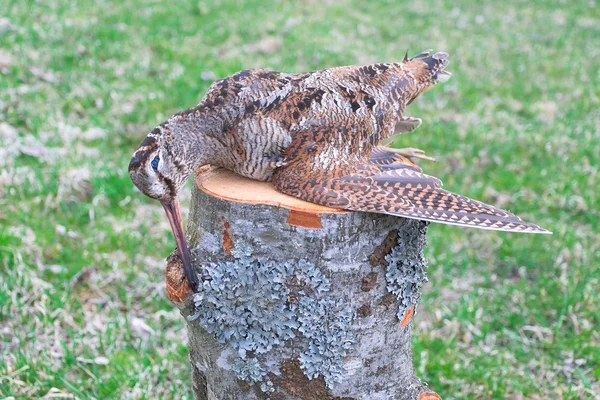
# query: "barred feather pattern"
{"type": "Point", "coordinates": [316, 135]}
{"type": "Point", "coordinates": [384, 182]}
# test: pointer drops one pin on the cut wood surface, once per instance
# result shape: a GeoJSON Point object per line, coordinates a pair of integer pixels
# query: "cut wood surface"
{"type": "Point", "coordinates": [224, 184]}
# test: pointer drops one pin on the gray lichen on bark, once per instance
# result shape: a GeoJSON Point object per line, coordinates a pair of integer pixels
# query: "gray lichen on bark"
{"type": "Point", "coordinates": [297, 313]}
{"type": "Point", "coordinates": [248, 304]}
{"type": "Point", "coordinates": [326, 326]}
{"type": "Point", "coordinates": [405, 272]}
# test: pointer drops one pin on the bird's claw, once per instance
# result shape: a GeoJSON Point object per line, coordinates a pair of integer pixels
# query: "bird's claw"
{"type": "Point", "coordinates": [411, 153]}
{"type": "Point", "coordinates": [276, 161]}
{"type": "Point", "coordinates": [277, 164]}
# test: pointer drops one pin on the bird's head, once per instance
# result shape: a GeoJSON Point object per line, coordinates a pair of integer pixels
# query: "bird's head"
{"type": "Point", "coordinates": [155, 168]}
{"type": "Point", "coordinates": [156, 171]}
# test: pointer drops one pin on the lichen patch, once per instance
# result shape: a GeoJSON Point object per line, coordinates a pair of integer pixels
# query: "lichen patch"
{"type": "Point", "coordinates": [255, 304]}
{"type": "Point", "coordinates": [405, 271]}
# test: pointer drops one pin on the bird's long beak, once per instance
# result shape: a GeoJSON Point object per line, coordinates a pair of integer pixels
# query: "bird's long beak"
{"type": "Point", "coordinates": [172, 210]}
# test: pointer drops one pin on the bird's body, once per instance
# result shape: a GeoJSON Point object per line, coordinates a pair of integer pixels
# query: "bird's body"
{"type": "Point", "coordinates": [316, 136]}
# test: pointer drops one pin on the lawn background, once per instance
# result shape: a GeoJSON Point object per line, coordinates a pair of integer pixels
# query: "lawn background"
{"type": "Point", "coordinates": [83, 310]}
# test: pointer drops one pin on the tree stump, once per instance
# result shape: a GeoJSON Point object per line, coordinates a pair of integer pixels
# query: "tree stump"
{"type": "Point", "coordinates": [297, 301]}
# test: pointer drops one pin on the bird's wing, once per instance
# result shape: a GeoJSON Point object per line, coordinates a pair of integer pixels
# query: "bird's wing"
{"type": "Point", "coordinates": [403, 190]}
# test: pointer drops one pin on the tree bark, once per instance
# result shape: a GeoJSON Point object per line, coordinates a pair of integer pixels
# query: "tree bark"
{"type": "Point", "coordinates": [300, 305]}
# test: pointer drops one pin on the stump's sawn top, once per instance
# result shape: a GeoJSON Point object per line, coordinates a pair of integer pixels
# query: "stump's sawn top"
{"type": "Point", "coordinates": [227, 185]}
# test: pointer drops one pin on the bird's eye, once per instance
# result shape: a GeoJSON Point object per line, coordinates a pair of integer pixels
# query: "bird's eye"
{"type": "Point", "coordinates": [154, 163]}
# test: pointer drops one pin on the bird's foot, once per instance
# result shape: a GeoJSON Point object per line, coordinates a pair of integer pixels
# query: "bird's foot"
{"type": "Point", "coordinates": [412, 153]}
{"type": "Point", "coordinates": [407, 124]}
{"type": "Point", "coordinates": [276, 162]}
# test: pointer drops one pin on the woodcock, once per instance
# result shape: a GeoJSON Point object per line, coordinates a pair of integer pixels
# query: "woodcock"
{"type": "Point", "coordinates": [316, 136]}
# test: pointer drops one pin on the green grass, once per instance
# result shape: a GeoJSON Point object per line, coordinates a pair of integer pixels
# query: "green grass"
{"type": "Point", "coordinates": [504, 316]}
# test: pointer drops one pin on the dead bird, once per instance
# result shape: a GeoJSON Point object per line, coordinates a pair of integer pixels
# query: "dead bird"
{"type": "Point", "coordinates": [316, 136]}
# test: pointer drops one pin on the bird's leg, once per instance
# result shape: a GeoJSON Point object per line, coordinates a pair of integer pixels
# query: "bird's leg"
{"type": "Point", "coordinates": [407, 124]}
{"type": "Point", "coordinates": [411, 153]}
{"type": "Point", "coordinates": [276, 161]}
{"type": "Point", "coordinates": [277, 164]}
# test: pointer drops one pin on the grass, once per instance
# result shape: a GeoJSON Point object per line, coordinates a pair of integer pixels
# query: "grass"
{"type": "Point", "coordinates": [83, 310]}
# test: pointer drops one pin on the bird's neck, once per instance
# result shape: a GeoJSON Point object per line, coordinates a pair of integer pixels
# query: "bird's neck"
{"type": "Point", "coordinates": [191, 136]}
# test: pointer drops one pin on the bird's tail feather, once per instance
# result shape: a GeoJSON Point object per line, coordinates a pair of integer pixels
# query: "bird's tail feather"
{"type": "Point", "coordinates": [405, 192]}
{"type": "Point", "coordinates": [442, 206]}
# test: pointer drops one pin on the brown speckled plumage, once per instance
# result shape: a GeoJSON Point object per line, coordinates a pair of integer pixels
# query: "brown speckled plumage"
{"type": "Point", "coordinates": [317, 136]}
{"type": "Point", "coordinates": [385, 183]}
